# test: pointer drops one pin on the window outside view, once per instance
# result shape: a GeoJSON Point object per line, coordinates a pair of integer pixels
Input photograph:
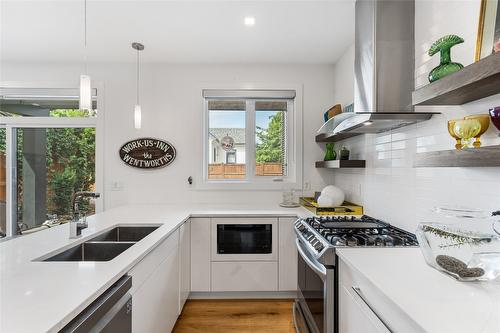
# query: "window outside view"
{"type": "Point", "coordinates": [227, 147]}
{"type": "Point", "coordinates": [270, 138]}
{"type": "Point", "coordinates": [51, 164]}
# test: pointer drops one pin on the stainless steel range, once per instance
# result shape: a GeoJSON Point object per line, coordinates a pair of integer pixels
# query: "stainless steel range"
{"type": "Point", "coordinates": [316, 308]}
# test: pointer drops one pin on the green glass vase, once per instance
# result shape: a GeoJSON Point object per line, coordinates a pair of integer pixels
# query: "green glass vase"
{"type": "Point", "coordinates": [330, 152]}
{"type": "Point", "coordinates": [443, 45]}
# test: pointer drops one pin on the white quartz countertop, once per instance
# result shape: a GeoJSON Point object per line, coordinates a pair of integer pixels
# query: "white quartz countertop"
{"type": "Point", "coordinates": [437, 302]}
{"type": "Point", "coordinates": [44, 296]}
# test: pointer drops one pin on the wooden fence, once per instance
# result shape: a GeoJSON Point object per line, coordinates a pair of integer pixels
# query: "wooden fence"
{"type": "Point", "coordinates": [237, 171]}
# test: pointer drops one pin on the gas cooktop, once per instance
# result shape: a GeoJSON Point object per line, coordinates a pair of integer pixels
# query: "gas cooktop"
{"type": "Point", "coordinates": [324, 234]}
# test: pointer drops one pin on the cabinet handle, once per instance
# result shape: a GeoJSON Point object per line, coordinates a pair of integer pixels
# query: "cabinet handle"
{"type": "Point", "coordinates": [358, 292]}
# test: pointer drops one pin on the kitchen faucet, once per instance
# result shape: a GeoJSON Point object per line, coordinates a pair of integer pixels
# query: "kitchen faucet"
{"type": "Point", "coordinates": [77, 224]}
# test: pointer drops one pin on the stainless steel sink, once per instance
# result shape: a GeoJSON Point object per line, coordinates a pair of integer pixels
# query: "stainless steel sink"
{"type": "Point", "coordinates": [125, 234]}
{"type": "Point", "coordinates": [92, 251]}
{"type": "Point", "coordinates": [105, 246]}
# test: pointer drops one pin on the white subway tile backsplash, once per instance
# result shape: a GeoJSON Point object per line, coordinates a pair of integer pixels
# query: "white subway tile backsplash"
{"type": "Point", "coordinates": [394, 191]}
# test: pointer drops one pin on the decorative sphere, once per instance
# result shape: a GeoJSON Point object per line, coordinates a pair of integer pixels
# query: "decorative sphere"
{"type": "Point", "coordinates": [325, 201]}
{"type": "Point", "coordinates": [335, 193]}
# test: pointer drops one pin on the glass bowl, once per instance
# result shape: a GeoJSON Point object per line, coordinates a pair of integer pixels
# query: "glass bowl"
{"type": "Point", "coordinates": [451, 130]}
{"type": "Point", "coordinates": [495, 116]}
{"type": "Point", "coordinates": [466, 129]}
{"type": "Point", "coordinates": [484, 120]}
{"type": "Point", "coordinates": [462, 243]}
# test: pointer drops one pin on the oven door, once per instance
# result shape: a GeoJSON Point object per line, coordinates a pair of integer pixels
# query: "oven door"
{"type": "Point", "coordinates": [315, 292]}
{"type": "Point", "coordinates": [241, 239]}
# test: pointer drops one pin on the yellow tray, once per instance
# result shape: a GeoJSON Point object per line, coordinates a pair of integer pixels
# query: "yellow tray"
{"type": "Point", "coordinates": [347, 208]}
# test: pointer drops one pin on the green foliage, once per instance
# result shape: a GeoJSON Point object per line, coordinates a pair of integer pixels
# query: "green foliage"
{"type": "Point", "coordinates": [61, 184]}
{"type": "Point", "coordinates": [270, 141]}
{"type": "Point", "coordinates": [70, 157]}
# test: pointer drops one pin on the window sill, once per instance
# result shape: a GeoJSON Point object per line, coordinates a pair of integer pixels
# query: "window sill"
{"type": "Point", "coordinates": [247, 186]}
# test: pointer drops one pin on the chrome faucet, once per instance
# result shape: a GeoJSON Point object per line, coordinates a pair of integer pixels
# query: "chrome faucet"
{"type": "Point", "coordinates": [77, 224]}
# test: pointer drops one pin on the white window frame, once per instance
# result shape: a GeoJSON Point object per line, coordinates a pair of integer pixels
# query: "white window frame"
{"type": "Point", "coordinates": [293, 179]}
{"type": "Point", "coordinates": [13, 123]}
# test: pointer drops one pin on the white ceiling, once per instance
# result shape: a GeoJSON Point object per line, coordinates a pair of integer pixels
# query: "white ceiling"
{"type": "Point", "coordinates": [177, 31]}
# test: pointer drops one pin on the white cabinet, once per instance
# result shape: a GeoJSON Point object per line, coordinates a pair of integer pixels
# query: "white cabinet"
{"type": "Point", "coordinates": [200, 254]}
{"type": "Point", "coordinates": [156, 300]}
{"type": "Point", "coordinates": [365, 308]}
{"type": "Point", "coordinates": [184, 263]}
{"type": "Point", "coordinates": [244, 276]}
{"type": "Point", "coordinates": [356, 316]}
{"type": "Point", "coordinates": [287, 255]}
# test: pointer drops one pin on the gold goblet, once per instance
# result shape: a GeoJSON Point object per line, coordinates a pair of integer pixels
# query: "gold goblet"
{"type": "Point", "coordinates": [466, 129]}
{"type": "Point", "coordinates": [451, 126]}
{"type": "Point", "coordinates": [484, 120]}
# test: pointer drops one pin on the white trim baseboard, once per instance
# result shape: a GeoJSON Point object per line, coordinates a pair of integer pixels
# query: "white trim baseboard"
{"type": "Point", "coordinates": [243, 295]}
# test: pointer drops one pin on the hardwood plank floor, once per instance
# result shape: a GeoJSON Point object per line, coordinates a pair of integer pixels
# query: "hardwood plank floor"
{"type": "Point", "coordinates": [236, 316]}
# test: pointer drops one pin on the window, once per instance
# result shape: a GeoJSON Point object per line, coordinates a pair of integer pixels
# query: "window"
{"type": "Point", "coordinates": [249, 136]}
{"type": "Point", "coordinates": [231, 157]}
{"type": "Point", "coordinates": [50, 146]}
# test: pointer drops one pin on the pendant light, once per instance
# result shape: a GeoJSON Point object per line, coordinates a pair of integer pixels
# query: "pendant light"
{"type": "Point", "coordinates": [85, 102]}
{"type": "Point", "coordinates": [137, 108]}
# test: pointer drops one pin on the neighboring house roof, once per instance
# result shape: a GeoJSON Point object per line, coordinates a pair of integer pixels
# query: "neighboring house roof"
{"type": "Point", "coordinates": [238, 134]}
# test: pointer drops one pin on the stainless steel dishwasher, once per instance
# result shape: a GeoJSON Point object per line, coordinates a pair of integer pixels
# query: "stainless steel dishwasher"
{"type": "Point", "coordinates": [109, 313]}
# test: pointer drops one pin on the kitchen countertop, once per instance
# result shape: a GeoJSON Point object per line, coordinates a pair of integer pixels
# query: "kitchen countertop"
{"type": "Point", "coordinates": [44, 296]}
{"type": "Point", "coordinates": [437, 302]}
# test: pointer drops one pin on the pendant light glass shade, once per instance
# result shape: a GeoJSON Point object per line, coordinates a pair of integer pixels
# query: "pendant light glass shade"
{"type": "Point", "coordinates": [137, 108]}
{"type": "Point", "coordinates": [137, 116]}
{"type": "Point", "coordinates": [85, 102]}
{"type": "Point", "coordinates": [85, 93]}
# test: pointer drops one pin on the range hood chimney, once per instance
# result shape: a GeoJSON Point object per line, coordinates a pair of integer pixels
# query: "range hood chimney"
{"type": "Point", "coordinates": [384, 68]}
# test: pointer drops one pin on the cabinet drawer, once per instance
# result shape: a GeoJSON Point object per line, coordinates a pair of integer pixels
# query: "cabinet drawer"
{"type": "Point", "coordinates": [244, 276]}
{"type": "Point", "coordinates": [356, 315]}
{"type": "Point", "coordinates": [354, 285]}
{"type": "Point", "coordinates": [144, 268]}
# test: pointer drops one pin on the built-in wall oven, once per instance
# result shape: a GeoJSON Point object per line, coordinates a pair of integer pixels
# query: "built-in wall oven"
{"type": "Point", "coordinates": [241, 239]}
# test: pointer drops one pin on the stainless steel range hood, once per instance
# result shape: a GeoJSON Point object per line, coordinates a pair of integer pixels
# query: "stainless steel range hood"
{"type": "Point", "coordinates": [383, 68]}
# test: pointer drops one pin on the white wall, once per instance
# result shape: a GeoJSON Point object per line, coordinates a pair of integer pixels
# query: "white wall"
{"type": "Point", "coordinates": [172, 110]}
{"type": "Point", "coordinates": [390, 188]}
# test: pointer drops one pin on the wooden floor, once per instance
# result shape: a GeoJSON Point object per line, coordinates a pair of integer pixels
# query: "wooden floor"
{"type": "Point", "coordinates": [236, 316]}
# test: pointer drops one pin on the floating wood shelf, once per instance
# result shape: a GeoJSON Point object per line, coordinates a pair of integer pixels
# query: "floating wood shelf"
{"type": "Point", "coordinates": [478, 80]}
{"type": "Point", "coordinates": [338, 164]}
{"type": "Point", "coordinates": [473, 157]}
{"type": "Point", "coordinates": [335, 137]}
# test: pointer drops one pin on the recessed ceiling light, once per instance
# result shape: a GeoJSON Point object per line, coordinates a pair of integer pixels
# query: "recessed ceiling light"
{"type": "Point", "coordinates": [249, 21]}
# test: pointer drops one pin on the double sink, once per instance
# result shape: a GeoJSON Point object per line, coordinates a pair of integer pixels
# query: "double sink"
{"type": "Point", "coordinates": [105, 246]}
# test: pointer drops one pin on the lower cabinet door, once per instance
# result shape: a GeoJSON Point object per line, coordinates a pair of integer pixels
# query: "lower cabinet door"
{"type": "Point", "coordinates": [156, 302]}
{"type": "Point", "coordinates": [355, 314]}
{"type": "Point", "coordinates": [184, 263]}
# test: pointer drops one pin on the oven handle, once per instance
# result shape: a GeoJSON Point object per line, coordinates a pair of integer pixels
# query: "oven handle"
{"type": "Point", "coordinates": [321, 271]}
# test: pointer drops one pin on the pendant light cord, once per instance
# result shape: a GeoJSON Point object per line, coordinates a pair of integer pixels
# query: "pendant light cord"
{"type": "Point", "coordinates": [137, 81]}
{"type": "Point", "coordinates": [85, 34]}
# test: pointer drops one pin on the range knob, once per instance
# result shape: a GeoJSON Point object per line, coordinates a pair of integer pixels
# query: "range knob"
{"type": "Point", "coordinates": [319, 247]}
{"type": "Point", "coordinates": [301, 227]}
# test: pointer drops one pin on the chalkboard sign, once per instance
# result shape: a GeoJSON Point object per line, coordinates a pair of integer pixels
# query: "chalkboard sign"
{"type": "Point", "coordinates": [147, 153]}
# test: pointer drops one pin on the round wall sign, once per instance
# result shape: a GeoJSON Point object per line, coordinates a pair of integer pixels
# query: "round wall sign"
{"type": "Point", "coordinates": [147, 153]}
